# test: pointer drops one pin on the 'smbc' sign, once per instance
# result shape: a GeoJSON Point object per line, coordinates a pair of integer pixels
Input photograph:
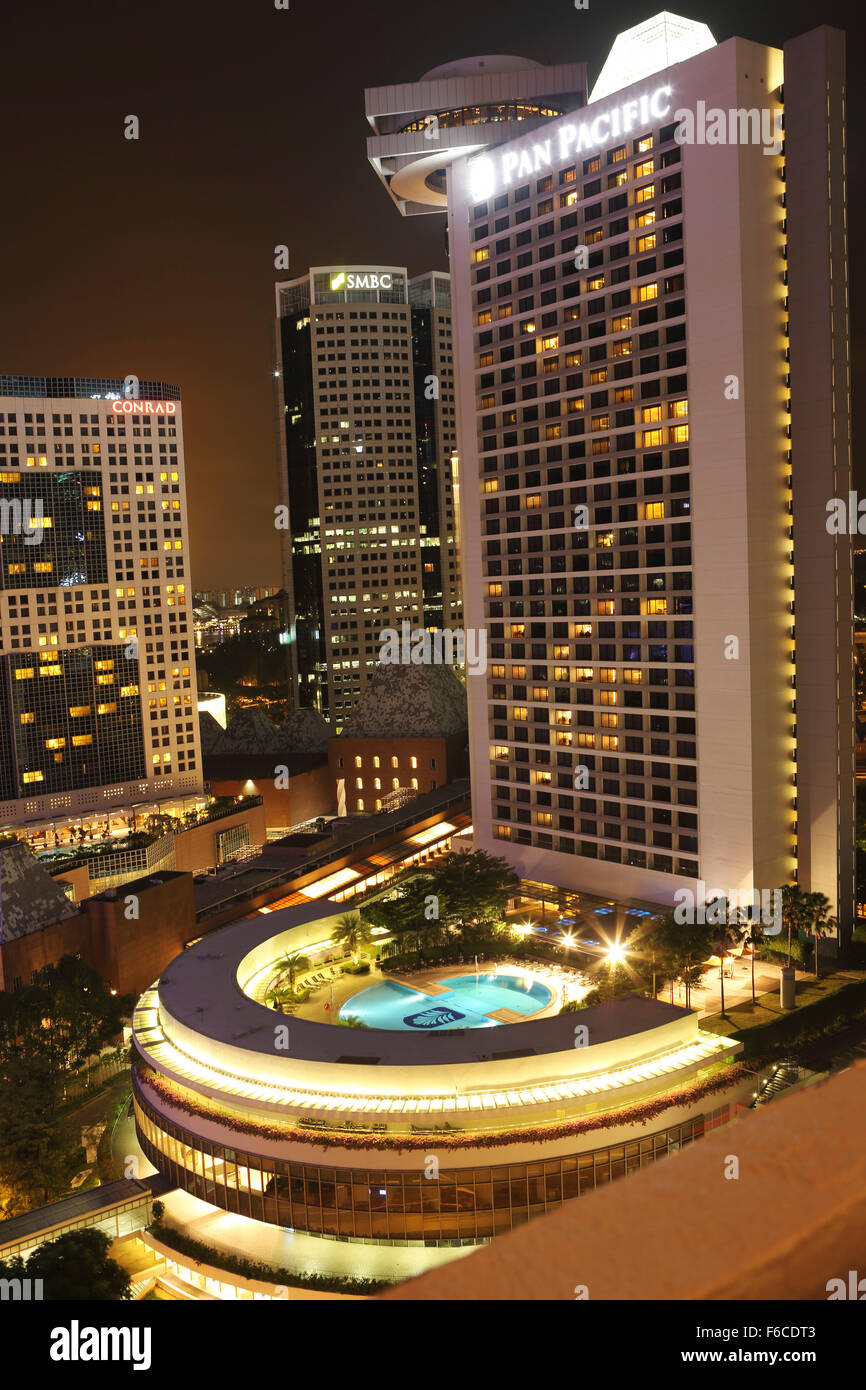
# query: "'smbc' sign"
{"type": "Point", "coordinates": [370, 280]}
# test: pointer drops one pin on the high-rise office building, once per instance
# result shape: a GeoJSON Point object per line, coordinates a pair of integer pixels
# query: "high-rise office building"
{"type": "Point", "coordinates": [366, 396]}
{"type": "Point", "coordinates": [650, 309]}
{"type": "Point", "coordinates": [97, 664]}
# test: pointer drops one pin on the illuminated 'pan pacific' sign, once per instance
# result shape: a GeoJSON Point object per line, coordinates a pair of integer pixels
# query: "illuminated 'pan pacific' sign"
{"type": "Point", "coordinates": [488, 172]}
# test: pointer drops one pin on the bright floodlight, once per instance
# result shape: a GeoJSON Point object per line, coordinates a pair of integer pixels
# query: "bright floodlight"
{"type": "Point", "coordinates": [615, 954]}
{"type": "Point", "coordinates": [650, 47]}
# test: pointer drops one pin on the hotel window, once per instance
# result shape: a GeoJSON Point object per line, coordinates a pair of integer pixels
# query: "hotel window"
{"type": "Point", "coordinates": [377, 784]}
{"type": "Point", "coordinates": [29, 777]}
{"type": "Point", "coordinates": [607, 674]}
{"type": "Point", "coordinates": [485, 317]}
{"type": "Point", "coordinates": [78, 711]}
{"type": "Point", "coordinates": [518, 673]}
{"type": "Point", "coordinates": [646, 292]}
{"type": "Point", "coordinates": [500, 751]}
{"type": "Point", "coordinates": [621, 325]}
{"type": "Point", "coordinates": [606, 608]}
{"type": "Point", "coordinates": [600, 422]}
{"type": "Point", "coordinates": [520, 712]}
{"type": "Point", "coordinates": [650, 413]}
{"type": "Point", "coordinates": [23, 673]}
{"type": "Point", "coordinates": [622, 348]}
{"type": "Point", "coordinates": [413, 762]}
{"type": "Point", "coordinates": [645, 144]}
{"type": "Point", "coordinates": [359, 761]}
{"type": "Point", "coordinates": [646, 243]}
{"type": "Point", "coordinates": [643, 195]}
{"type": "Point", "coordinates": [563, 716]}
{"type": "Point", "coordinates": [596, 283]}
{"type": "Point", "coordinates": [359, 783]}
{"type": "Point", "coordinates": [504, 311]}
{"type": "Point", "coordinates": [610, 741]}
{"type": "Point", "coordinates": [543, 818]}
{"type": "Point", "coordinates": [395, 762]}
{"type": "Point", "coordinates": [609, 721]}
{"type": "Point", "coordinates": [623, 394]}
{"type": "Point", "coordinates": [653, 511]}
{"type": "Point", "coordinates": [597, 377]}
{"type": "Point", "coordinates": [644, 169]}
{"type": "Point", "coordinates": [360, 803]}
{"type": "Point", "coordinates": [55, 743]}
{"type": "Point", "coordinates": [376, 760]}
{"type": "Point", "coordinates": [585, 740]}
{"type": "Point", "coordinates": [651, 438]}
{"type": "Point", "coordinates": [414, 783]}
{"type": "Point", "coordinates": [645, 219]}
{"type": "Point", "coordinates": [680, 434]}
{"type": "Point", "coordinates": [592, 237]}
{"type": "Point", "coordinates": [575, 406]}
{"type": "Point", "coordinates": [497, 672]}
{"type": "Point", "coordinates": [553, 431]}
{"type": "Point", "coordinates": [565, 738]}
{"type": "Point", "coordinates": [608, 697]}
{"type": "Point", "coordinates": [540, 692]}
{"type": "Point", "coordinates": [27, 718]}
{"type": "Point", "coordinates": [550, 344]}
{"type": "Point", "coordinates": [583, 673]}
{"type": "Point", "coordinates": [483, 254]}
{"type": "Point", "coordinates": [656, 605]}
{"type": "Point", "coordinates": [573, 359]}
{"type": "Point", "coordinates": [486, 359]}
{"type": "Point", "coordinates": [604, 539]}
{"type": "Point", "coordinates": [494, 590]}
{"type": "Point", "coordinates": [518, 630]}
{"type": "Point", "coordinates": [81, 740]}
{"type": "Point", "coordinates": [550, 364]}
{"type": "Point", "coordinates": [395, 783]}
{"type": "Point", "coordinates": [678, 409]}
{"type": "Point", "coordinates": [560, 673]}
{"type": "Point", "coordinates": [632, 677]}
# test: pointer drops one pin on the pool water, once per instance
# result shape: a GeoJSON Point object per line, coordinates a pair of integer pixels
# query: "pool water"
{"type": "Point", "coordinates": [465, 1003]}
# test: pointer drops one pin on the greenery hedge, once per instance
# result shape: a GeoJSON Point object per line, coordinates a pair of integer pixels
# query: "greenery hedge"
{"type": "Point", "coordinates": [807, 1023]}
{"type": "Point", "coordinates": [721, 1077]}
{"type": "Point", "coordinates": [256, 1269]}
{"type": "Point", "coordinates": [771, 947]}
{"type": "Point", "coordinates": [350, 968]}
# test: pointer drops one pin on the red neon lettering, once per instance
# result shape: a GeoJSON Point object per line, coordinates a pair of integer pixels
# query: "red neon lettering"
{"type": "Point", "coordinates": [144, 407]}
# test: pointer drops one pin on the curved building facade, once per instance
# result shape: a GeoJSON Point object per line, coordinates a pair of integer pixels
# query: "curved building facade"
{"type": "Point", "coordinates": [456, 109]}
{"type": "Point", "coordinates": [380, 1135]}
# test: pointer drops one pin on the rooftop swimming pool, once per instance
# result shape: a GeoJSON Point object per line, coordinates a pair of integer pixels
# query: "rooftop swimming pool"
{"type": "Point", "coordinates": [466, 1001]}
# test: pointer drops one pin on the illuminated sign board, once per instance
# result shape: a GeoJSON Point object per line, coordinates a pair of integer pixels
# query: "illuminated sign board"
{"type": "Point", "coordinates": [355, 280]}
{"type": "Point", "coordinates": [144, 407]}
{"type": "Point", "coordinates": [489, 172]}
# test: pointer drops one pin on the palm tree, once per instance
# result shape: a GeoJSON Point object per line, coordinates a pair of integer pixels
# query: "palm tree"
{"type": "Point", "coordinates": [353, 933]}
{"type": "Point", "coordinates": [795, 912]}
{"type": "Point", "coordinates": [288, 969]}
{"type": "Point", "coordinates": [728, 932]}
{"type": "Point", "coordinates": [755, 937]}
{"type": "Point", "coordinates": [821, 922]}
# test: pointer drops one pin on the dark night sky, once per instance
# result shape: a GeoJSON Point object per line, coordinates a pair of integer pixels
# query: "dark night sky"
{"type": "Point", "coordinates": [156, 257]}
